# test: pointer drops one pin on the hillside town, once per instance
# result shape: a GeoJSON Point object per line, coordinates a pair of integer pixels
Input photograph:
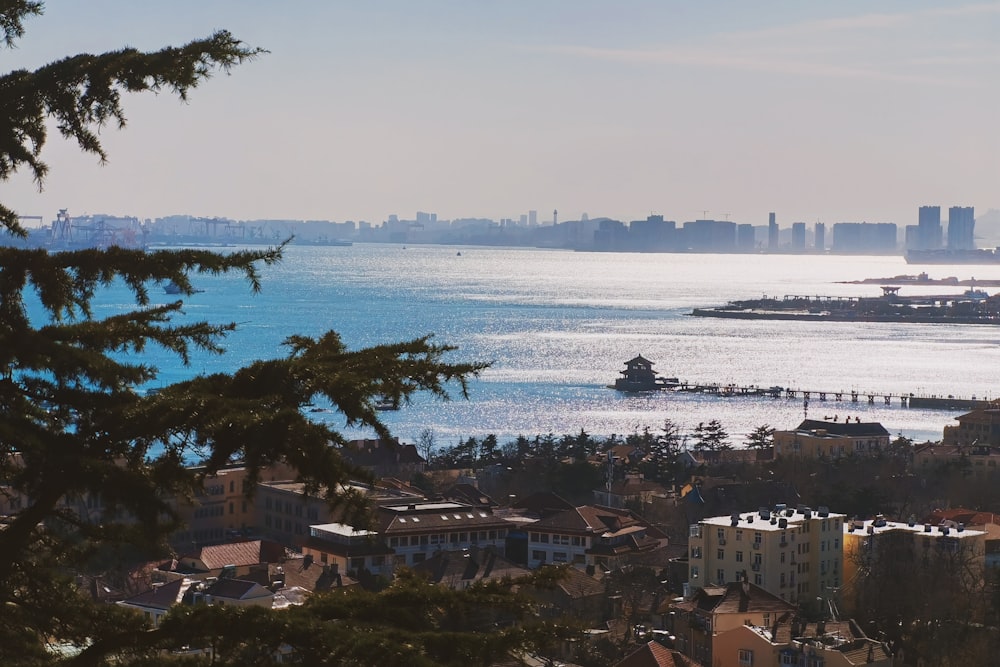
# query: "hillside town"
{"type": "Point", "coordinates": [826, 543]}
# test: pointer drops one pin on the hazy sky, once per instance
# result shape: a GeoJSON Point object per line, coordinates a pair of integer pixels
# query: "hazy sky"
{"type": "Point", "coordinates": [834, 111]}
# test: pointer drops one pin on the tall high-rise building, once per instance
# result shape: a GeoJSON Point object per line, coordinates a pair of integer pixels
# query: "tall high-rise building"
{"type": "Point", "coordinates": [772, 232]}
{"type": "Point", "coordinates": [961, 228]}
{"type": "Point", "coordinates": [819, 231]}
{"type": "Point", "coordinates": [798, 236]}
{"type": "Point", "coordinates": [928, 228]}
{"type": "Point", "coordinates": [533, 218]}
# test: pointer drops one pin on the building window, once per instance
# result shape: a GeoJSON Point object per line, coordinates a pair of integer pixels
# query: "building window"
{"type": "Point", "coordinates": [538, 555]}
{"type": "Point", "coordinates": [739, 556]}
{"type": "Point", "coordinates": [694, 571]}
{"type": "Point", "coordinates": [720, 554]}
{"type": "Point", "coordinates": [745, 657]}
{"type": "Point", "coordinates": [720, 575]}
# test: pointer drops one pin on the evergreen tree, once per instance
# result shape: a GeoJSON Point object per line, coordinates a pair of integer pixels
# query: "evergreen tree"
{"type": "Point", "coordinates": [73, 423]}
{"type": "Point", "coordinates": [761, 437]}
{"type": "Point", "coordinates": [711, 436]}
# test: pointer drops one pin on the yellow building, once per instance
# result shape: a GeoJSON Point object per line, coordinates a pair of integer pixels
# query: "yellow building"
{"type": "Point", "coordinates": [951, 556]}
{"type": "Point", "coordinates": [795, 554]}
{"type": "Point", "coordinates": [814, 439]}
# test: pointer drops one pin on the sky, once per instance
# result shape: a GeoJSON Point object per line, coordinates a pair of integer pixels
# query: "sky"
{"type": "Point", "coordinates": [830, 112]}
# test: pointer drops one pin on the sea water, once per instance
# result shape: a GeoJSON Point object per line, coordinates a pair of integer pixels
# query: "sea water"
{"type": "Point", "coordinates": [557, 327]}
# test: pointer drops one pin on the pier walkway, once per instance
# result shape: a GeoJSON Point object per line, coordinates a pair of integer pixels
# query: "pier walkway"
{"type": "Point", "coordinates": [854, 396]}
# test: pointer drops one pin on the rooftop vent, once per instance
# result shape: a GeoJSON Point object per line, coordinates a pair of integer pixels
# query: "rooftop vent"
{"type": "Point", "coordinates": [782, 522]}
{"type": "Point", "coordinates": [765, 513]}
{"type": "Point", "coordinates": [927, 527]}
{"type": "Point", "coordinates": [824, 511]}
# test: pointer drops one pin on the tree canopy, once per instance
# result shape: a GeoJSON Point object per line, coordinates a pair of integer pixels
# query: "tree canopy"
{"type": "Point", "coordinates": [74, 423]}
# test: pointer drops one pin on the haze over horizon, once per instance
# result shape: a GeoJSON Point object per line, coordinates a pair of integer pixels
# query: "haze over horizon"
{"type": "Point", "coordinates": [832, 112]}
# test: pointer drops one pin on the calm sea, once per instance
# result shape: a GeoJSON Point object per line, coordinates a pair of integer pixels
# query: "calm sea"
{"type": "Point", "coordinates": [558, 325]}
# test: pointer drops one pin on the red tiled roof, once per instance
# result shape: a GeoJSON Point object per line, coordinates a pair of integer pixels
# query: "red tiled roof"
{"type": "Point", "coordinates": [735, 598]}
{"type": "Point", "coordinates": [655, 654]}
{"type": "Point", "coordinates": [217, 556]}
{"type": "Point", "coordinates": [591, 519]}
{"type": "Point", "coordinates": [966, 516]}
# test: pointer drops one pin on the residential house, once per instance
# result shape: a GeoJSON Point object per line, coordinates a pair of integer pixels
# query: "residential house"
{"type": "Point", "coordinates": [230, 592]}
{"type": "Point", "coordinates": [236, 558]}
{"type": "Point", "coordinates": [814, 439]}
{"type": "Point", "coordinates": [697, 622]}
{"type": "Point", "coordinates": [287, 511]}
{"type": "Point", "coordinates": [979, 427]}
{"type": "Point", "coordinates": [579, 594]}
{"type": "Point", "coordinates": [981, 460]}
{"type": "Point", "coordinates": [591, 535]}
{"type": "Point", "coordinates": [385, 458]}
{"type": "Point", "coordinates": [790, 641]}
{"type": "Point", "coordinates": [633, 491]}
{"type": "Point", "coordinates": [157, 601]}
{"type": "Point", "coordinates": [460, 569]}
{"type": "Point", "coordinates": [792, 553]}
{"type": "Point", "coordinates": [406, 535]}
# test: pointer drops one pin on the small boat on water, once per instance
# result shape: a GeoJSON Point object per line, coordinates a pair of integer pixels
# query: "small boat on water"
{"type": "Point", "coordinates": [386, 403]}
{"type": "Point", "coordinates": [174, 288]}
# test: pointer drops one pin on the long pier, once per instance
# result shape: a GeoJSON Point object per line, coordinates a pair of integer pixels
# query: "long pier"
{"type": "Point", "coordinates": [852, 396]}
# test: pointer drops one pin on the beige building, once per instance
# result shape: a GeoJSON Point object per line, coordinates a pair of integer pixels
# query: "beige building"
{"type": "Point", "coordinates": [795, 554]}
{"type": "Point", "coordinates": [814, 439]}
{"type": "Point", "coordinates": [979, 427]}
{"type": "Point", "coordinates": [982, 460]}
{"type": "Point", "coordinates": [711, 612]}
{"type": "Point", "coordinates": [789, 641]}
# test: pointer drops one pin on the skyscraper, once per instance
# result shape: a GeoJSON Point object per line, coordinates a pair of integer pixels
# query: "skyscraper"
{"type": "Point", "coordinates": [961, 228]}
{"type": "Point", "coordinates": [772, 232]}
{"type": "Point", "coordinates": [928, 228]}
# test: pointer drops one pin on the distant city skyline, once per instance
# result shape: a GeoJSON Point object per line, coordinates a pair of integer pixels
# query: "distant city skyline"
{"type": "Point", "coordinates": [826, 112]}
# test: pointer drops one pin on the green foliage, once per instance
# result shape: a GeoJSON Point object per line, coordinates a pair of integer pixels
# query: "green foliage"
{"type": "Point", "coordinates": [411, 622]}
{"type": "Point", "coordinates": [74, 427]}
{"type": "Point", "coordinates": [761, 437]}
{"type": "Point", "coordinates": [711, 436]}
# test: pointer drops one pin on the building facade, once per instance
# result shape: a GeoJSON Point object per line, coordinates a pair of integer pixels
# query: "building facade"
{"type": "Point", "coordinates": [795, 554]}
{"type": "Point", "coordinates": [814, 439]}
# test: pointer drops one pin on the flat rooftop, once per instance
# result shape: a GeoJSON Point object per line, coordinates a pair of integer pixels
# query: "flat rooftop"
{"type": "Point", "coordinates": [771, 519]}
{"type": "Point", "coordinates": [879, 526]}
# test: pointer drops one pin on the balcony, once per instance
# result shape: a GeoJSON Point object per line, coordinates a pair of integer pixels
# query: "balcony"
{"type": "Point", "coordinates": [755, 567]}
